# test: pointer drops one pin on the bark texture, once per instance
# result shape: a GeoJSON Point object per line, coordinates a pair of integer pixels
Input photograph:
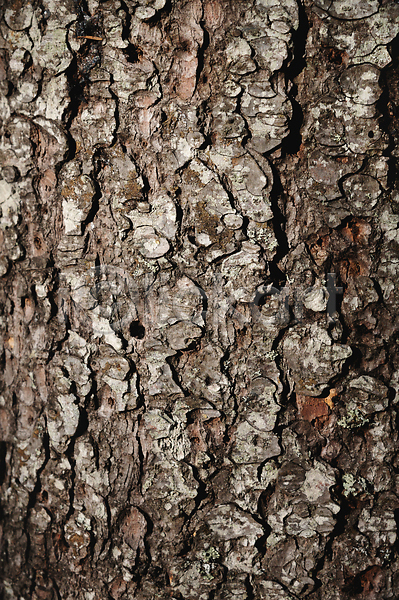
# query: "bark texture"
{"type": "Point", "coordinates": [199, 262]}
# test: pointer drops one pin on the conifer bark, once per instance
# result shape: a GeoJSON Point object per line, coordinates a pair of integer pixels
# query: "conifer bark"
{"type": "Point", "coordinates": [199, 316]}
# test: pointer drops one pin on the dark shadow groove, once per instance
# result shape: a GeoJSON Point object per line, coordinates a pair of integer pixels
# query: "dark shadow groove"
{"type": "Point", "coordinates": [277, 277]}
{"type": "Point", "coordinates": [201, 53]}
{"type": "Point", "coordinates": [388, 107]}
{"type": "Point", "coordinates": [292, 143]}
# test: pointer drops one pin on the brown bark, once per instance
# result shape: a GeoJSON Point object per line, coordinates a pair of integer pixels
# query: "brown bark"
{"type": "Point", "coordinates": [199, 255]}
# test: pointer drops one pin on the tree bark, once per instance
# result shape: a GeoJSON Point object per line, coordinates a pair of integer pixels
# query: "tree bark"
{"type": "Point", "coordinates": [199, 257]}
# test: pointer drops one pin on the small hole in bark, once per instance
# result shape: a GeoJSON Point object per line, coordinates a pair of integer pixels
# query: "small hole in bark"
{"type": "Point", "coordinates": [260, 299]}
{"type": "Point", "coordinates": [37, 242]}
{"type": "Point", "coordinates": [371, 134]}
{"type": "Point", "coordinates": [335, 56]}
{"type": "Point", "coordinates": [137, 330]}
{"type": "Point", "coordinates": [10, 89]}
{"type": "Point", "coordinates": [185, 46]}
{"type": "Point", "coordinates": [27, 59]}
{"type": "Point", "coordinates": [132, 53]}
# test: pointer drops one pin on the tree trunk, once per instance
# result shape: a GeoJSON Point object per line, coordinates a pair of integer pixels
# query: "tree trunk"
{"type": "Point", "coordinates": [199, 238]}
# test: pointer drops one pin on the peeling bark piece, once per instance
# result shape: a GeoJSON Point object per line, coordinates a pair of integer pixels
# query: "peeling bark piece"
{"type": "Point", "coordinates": [279, 10]}
{"type": "Point", "coordinates": [133, 528]}
{"type": "Point", "coordinates": [99, 122]}
{"type": "Point", "coordinates": [233, 221]}
{"type": "Point", "coordinates": [260, 408]}
{"type": "Point", "coordinates": [373, 395]}
{"type": "Point", "coordinates": [150, 244]}
{"type": "Point", "coordinates": [229, 523]}
{"type": "Point", "coordinates": [115, 367]}
{"type": "Point", "coordinates": [173, 483]}
{"type": "Point", "coordinates": [52, 52]}
{"type": "Point", "coordinates": [313, 358]}
{"type": "Point", "coordinates": [15, 149]}
{"type": "Point", "coordinates": [18, 19]}
{"type": "Point", "coordinates": [9, 204]}
{"type": "Point", "coordinates": [252, 445]}
{"type": "Point", "coordinates": [271, 590]}
{"type": "Point", "coordinates": [243, 273]}
{"type": "Point", "coordinates": [270, 52]}
{"type": "Point", "coordinates": [267, 119]}
{"type": "Point", "coordinates": [62, 422]}
{"type": "Point", "coordinates": [239, 57]}
{"type": "Point", "coordinates": [327, 171]}
{"type": "Point", "coordinates": [251, 187]}
{"type": "Point", "coordinates": [316, 298]}
{"type": "Point", "coordinates": [161, 379]}
{"type": "Point", "coordinates": [182, 334]}
{"type": "Point", "coordinates": [379, 524]}
{"type": "Point", "coordinates": [311, 408]}
{"type": "Point", "coordinates": [183, 302]}
{"type": "Point", "coordinates": [349, 9]}
{"type": "Point", "coordinates": [360, 83]}
{"type": "Point", "coordinates": [162, 216]}
{"type": "Point", "coordinates": [362, 192]}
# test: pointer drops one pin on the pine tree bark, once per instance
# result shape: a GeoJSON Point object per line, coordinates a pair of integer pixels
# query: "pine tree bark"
{"type": "Point", "coordinates": [199, 257]}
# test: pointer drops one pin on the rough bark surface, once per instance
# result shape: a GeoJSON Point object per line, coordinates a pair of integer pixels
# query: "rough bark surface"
{"type": "Point", "coordinates": [199, 259]}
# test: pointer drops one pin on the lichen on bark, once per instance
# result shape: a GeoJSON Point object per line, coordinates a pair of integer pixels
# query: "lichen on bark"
{"type": "Point", "coordinates": [199, 251]}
